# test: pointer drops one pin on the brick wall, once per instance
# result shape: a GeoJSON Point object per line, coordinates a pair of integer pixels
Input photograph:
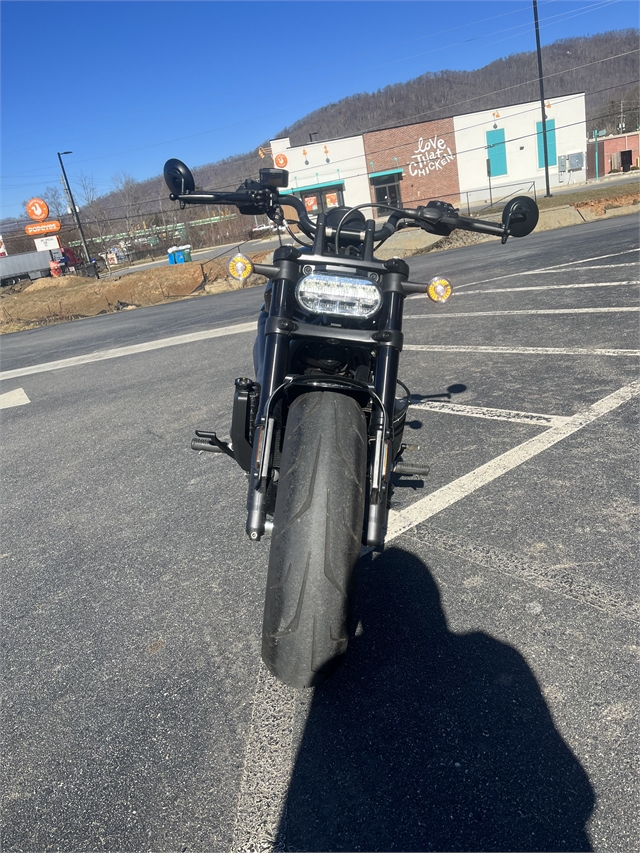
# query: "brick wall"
{"type": "Point", "coordinates": [425, 152]}
{"type": "Point", "coordinates": [615, 144]}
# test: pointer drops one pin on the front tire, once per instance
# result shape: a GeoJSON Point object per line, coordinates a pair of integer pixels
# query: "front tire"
{"type": "Point", "coordinates": [316, 538]}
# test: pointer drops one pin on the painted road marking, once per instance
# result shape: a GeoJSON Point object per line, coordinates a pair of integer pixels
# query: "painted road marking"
{"type": "Point", "coordinates": [604, 266]}
{"type": "Point", "coordinates": [103, 355]}
{"type": "Point", "coordinates": [13, 398]}
{"type": "Point", "coordinates": [492, 414]}
{"type": "Point", "coordinates": [267, 768]}
{"type": "Point", "coordinates": [532, 311]}
{"type": "Point", "coordinates": [428, 506]}
{"type": "Point", "coordinates": [459, 292]}
{"type": "Point", "coordinates": [268, 761]}
{"type": "Point", "coordinates": [563, 578]}
{"type": "Point", "coordinates": [550, 269]}
{"type": "Point", "coordinates": [548, 287]}
{"type": "Point", "coordinates": [620, 353]}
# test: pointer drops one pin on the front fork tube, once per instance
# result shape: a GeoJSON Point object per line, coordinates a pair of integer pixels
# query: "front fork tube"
{"type": "Point", "coordinates": [386, 377]}
{"type": "Point", "coordinates": [272, 373]}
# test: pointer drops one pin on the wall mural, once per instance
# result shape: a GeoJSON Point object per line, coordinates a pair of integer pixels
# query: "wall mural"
{"type": "Point", "coordinates": [431, 155]}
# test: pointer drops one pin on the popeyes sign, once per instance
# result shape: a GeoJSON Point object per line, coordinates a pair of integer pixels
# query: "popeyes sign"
{"type": "Point", "coordinates": [37, 209]}
{"type": "Point", "coordinates": [49, 227]}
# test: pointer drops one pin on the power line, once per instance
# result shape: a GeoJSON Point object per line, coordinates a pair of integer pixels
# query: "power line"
{"type": "Point", "coordinates": [434, 110]}
{"type": "Point", "coordinates": [563, 16]}
{"type": "Point", "coordinates": [111, 220]}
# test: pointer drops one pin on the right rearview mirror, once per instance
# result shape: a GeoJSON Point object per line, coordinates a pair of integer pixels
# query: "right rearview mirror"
{"type": "Point", "coordinates": [520, 216]}
{"type": "Point", "coordinates": [178, 177]}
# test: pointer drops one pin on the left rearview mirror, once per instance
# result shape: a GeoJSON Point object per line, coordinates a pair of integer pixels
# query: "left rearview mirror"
{"type": "Point", "coordinates": [178, 177]}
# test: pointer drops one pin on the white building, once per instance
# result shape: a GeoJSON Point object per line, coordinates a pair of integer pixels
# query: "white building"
{"type": "Point", "coordinates": [490, 155]}
{"type": "Point", "coordinates": [508, 142]}
{"type": "Point", "coordinates": [324, 174]}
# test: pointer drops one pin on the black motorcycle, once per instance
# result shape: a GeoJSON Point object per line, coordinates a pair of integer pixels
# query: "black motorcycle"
{"type": "Point", "coordinates": [319, 429]}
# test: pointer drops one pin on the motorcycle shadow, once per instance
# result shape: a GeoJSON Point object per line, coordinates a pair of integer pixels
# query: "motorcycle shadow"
{"type": "Point", "coordinates": [430, 740]}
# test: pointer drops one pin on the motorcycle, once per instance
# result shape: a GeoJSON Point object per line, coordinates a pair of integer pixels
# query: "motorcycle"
{"type": "Point", "coordinates": [319, 431]}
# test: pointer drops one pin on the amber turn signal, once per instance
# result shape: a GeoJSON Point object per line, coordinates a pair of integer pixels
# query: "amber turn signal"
{"type": "Point", "coordinates": [439, 289]}
{"type": "Point", "coordinates": [240, 267]}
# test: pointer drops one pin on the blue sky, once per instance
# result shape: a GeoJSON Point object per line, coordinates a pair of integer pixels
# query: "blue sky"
{"type": "Point", "coordinates": [125, 85]}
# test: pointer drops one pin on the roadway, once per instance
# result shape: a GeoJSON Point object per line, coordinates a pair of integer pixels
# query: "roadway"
{"type": "Point", "coordinates": [487, 699]}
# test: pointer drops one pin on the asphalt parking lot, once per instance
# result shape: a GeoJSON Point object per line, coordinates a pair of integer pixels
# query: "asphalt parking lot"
{"type": "Point", "coordinates": [488, 699]}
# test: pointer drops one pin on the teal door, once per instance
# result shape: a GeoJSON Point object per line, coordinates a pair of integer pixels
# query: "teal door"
{"type": "Point", "coordinates": [551, 142]}
{"type": "Point", "coordinates": [497, 152]}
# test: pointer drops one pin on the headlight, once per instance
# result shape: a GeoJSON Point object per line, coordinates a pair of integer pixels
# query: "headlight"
{"type": "Point", "coordinates": [321, 293]}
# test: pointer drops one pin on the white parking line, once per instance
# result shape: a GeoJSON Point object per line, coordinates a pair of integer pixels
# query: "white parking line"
{"type": "Point", "coordinates": [119, 352]}
{"type": "Point", "coordinates": [268, 756]}
{"type": "Point", "coordinates": [595, 267]}
{"type": "Point", "coordinates": [455, 491]}
{"type": "Point", "coordinates": [431, 316]}
{"type": "Point", "coordinates": [13, 398]}
{"type": "Point", "coordinates": [267, 768]}
{"type": "Point", "coordinates": [540, 270]}
{"type": "Point", "coordinates": [619, 353]}
{"type": "Point", "coordinates": [545, 287]}
{"type": "Point", "coordinates": [531, 418]}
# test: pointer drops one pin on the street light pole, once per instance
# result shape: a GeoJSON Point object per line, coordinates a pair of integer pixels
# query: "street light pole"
{"type": "Point", "coordinates": [544, 115]}
{"type": "Point", "coordinates": [75, 212]}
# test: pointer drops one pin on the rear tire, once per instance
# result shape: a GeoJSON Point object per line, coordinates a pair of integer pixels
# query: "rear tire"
{"type": "Point", "coordinates": [316, 538]}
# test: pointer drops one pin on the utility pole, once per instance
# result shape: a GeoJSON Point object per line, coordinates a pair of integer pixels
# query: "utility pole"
{"type": "Point", "coordinates": [544, 115]}
{"type": "Point", "coordinates": [622, 123]}
{"type": "Point", "coordinates": [75, 213]}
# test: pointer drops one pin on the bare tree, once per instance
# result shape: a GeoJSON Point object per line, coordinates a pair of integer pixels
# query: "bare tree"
{"type": "Point", "coordinates": [56, 200]}
{"type": "Point", "coordinates": [129, 197]}
{"type": "Point", "coordinates": [94, 211]}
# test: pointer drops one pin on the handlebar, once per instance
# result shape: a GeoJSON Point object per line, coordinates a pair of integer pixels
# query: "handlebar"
{"type": "Point", "coordinates": [437, 217]}
{"type": "Point", "coordinates": [519, 217]}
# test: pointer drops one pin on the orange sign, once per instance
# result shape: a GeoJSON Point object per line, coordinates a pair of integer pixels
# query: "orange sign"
{"type": "Point", "coordinates": [280, 161]}
{"type": "Point", "coordinates": [43, 227]}
{"type": "Point", "coordinates": [37, 209]}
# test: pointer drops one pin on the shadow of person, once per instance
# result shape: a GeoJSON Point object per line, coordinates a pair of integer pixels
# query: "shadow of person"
{"type": "Point", "coordinates": [430, 740]}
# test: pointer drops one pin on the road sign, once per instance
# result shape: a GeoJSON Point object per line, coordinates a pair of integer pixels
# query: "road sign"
{"type": "Point", "coordinates": [37, 209]}
{"type": "Point", "coordinates": [43, 227]}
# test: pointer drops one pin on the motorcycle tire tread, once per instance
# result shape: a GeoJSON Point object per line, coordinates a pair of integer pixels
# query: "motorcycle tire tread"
{"type": "Point", "coordinates": [316, 538]}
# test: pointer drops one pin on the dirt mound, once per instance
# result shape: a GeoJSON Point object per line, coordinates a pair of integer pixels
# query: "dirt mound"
{"type": "Point", "coordinates": [601, 206]}
{"type": "Point", "coordinates": [52, 300]}
{"type": "Point", "coordinates": [56, 300]}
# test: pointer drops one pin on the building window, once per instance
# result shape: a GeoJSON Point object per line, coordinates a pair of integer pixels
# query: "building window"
{"type": "Point", "coordinates": [387, 190]}
{"type": "Point", "coordinates": [323, 199]}
{"type": "Point", "coordinates": [496, 152]}
{"type": "Point", "coordinates": [551, 142]}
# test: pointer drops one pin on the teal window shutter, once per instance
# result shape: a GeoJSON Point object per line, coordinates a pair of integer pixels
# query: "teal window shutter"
{"type": "Point", "coordinates": [551, 143]}
{"type": "Point", "coordinates": [497, 152]}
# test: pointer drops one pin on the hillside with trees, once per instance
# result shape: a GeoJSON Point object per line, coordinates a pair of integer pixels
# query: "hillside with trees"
{"type": "Point", "coordinates": [604, 66]}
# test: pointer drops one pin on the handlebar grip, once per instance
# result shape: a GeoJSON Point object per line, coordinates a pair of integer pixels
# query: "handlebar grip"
{"type": "Point", "coordinates": [482, 226]}
{"type": "Point", "coordinates": [213, 198]}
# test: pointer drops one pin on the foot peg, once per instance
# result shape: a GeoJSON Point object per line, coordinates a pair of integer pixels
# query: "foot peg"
{"type": "Point", "coordinates": [209, 441]}
{"type": "Point", "coordinates": [404, 470]}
